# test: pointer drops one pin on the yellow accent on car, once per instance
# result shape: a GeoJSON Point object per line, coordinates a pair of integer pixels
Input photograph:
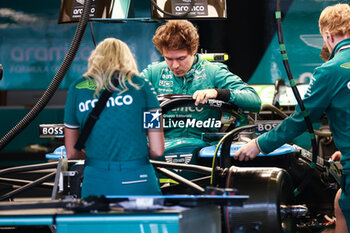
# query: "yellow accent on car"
{"type": "Point", "coordinates": [163, 181]}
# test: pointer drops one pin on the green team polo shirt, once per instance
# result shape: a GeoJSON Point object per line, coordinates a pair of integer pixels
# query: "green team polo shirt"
{"type": "Point", "coordinates": [118, 134]}
{"type": "Point", "coordinates": [202, 75]}
{"type": "Point", "coordinates": [329, 92]}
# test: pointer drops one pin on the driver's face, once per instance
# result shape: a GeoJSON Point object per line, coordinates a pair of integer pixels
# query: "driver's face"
{"type": "Point", "coordinates": [178, 61]}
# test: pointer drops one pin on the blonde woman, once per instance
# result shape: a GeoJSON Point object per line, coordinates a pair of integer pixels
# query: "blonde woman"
{"type": "Point", "coordinates": [116, 152]}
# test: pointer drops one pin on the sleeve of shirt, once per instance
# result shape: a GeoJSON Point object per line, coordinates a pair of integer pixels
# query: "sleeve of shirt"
{"type": "Point", "coordinates": [316, 100]}
{"type": "Point", "coordinates": [241, 93]}
{"type": "Point", "coordinates": [151, 97]}
{"type": "Point", "coordinates": [70, 120]}
{"type": "Point", "coordinates": [146, 74]}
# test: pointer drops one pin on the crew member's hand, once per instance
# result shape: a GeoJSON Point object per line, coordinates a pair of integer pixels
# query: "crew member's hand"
{"type": "Point", "coordinates": [201, 96]}
{"type": "Point", "coordinates": [336, 156]}
{"type": "Point", "coordinates": [247, 152]}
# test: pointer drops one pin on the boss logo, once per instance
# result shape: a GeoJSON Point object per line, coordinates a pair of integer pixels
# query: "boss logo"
{"type": "Point", "coordinates": [51, 130]}
{"type": "Point", "coordinates": [268, 125]}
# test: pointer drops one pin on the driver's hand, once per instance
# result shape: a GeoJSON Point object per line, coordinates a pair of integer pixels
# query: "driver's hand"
{"type": "Point", "coordinates": [201, 96]}
{"type": "Point", "coordinates": [247, 152]}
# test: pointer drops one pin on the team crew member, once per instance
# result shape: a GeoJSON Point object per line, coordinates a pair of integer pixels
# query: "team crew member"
{"type": "Point", "coordinates": [116, 151]}
{"type": "Point", "coordinates": [184, 72]}
{"type": "Point", "coordinates": [329, 92]}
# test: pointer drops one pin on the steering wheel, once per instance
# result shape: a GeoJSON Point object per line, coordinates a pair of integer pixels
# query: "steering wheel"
{"type": "Point", "coordinates": [172, 101]}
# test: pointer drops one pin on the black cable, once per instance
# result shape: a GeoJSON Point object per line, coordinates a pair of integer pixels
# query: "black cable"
{"type": "Point", "coordinates": [1, 71]}
{"type": "Point", "coordinates": [298, 98]}
{"type": "Point", "coordinates": [92, 34]}
{"type": "Point", "coordinates": [172, 15]}
{"type": "Point", "coordinates": [50, 91]}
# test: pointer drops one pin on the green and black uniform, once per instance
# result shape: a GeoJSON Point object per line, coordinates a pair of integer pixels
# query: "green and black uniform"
{"type": "Point", "coordinates": [117, 154]}
{"type": "Point", "coordinates": [329, 92]}
{"type": "Point", "coordinates": [202, 75]}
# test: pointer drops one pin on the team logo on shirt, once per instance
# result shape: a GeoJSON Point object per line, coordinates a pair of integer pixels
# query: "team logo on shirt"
{"type": "Point", "coordinates": [167, 76]}
{"type": "Point", "coordinates": [165, 83]}
{"type": "Point", "coordinates": [308, 91]}
{"type": "Point", "coordinates": [112, 102]}
{"type": "Point", "coordinates": [348, 85]}
{"type": "Point", "coordinates": [151, 119]}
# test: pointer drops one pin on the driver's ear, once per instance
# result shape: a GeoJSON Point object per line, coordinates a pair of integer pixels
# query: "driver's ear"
{"type": "Point", "coordinates": [329, 36]}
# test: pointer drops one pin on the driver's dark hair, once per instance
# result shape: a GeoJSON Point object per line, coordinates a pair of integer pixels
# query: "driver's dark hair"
{"type": "Point", "coordinates": [175, 35]}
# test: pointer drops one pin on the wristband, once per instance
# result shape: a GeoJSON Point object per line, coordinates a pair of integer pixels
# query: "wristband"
{"type": "Point", "coordinates": [223, 94]}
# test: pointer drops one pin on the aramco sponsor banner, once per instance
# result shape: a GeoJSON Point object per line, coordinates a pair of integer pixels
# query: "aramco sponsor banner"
{"type": "Point", "coordinates": [33, 44]}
